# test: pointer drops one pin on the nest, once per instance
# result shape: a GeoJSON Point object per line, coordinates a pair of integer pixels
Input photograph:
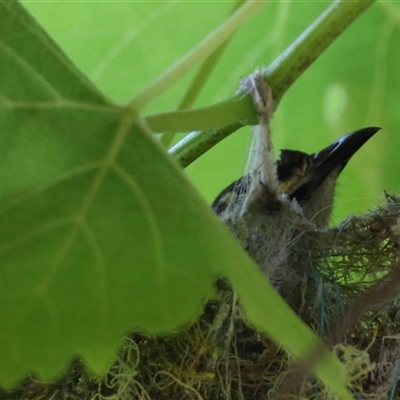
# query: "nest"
{"type": "Point", "coordinates": [349, 295]}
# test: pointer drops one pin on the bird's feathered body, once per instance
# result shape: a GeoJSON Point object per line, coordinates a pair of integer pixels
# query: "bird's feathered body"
{"type": "Point", "coordinates": [271, 227]}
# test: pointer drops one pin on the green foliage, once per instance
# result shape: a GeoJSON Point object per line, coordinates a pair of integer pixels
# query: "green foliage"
{"type": "Point", "coordinates": [100, 231]}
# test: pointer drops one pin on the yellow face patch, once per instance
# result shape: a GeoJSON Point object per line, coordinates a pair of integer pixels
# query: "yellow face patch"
{"type": "Point", "coordinates": [286, 186]}
{"type": "Point", "coordinates": [298, 177]}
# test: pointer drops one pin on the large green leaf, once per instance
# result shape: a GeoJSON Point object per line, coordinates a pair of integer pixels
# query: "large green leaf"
{"type": "Point", "coordinates": [100, 231]}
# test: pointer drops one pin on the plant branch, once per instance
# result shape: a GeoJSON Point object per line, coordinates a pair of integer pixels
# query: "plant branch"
{"type": "Point", "coordinates": [202, 75]}
{"type": "Point", "coordinates": [199, 53]}
{"type": "Point", "coordinates": [308, 46]}
{"type": "Point", "coordinates": [280, 74]}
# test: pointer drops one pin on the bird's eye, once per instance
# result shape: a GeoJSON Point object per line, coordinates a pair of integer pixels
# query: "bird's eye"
{"type": "Point", "coordinates": [303, 167]}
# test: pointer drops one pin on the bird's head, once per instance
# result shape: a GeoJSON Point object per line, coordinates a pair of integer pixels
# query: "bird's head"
{"type": "Point", "coordinates": [311, 178]}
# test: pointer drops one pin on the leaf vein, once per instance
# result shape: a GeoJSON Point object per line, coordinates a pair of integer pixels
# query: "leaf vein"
{"type": "Point", "coordinates": [155, 230]}
{"type": "Point", "coordinates": [100, 266]}
{"type": "Point", "coordinates": [33, 72]}
{"type": "Point", "coordinates": [44, 105]}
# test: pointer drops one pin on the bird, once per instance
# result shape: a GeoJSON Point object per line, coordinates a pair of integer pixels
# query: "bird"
{"type": "Point", "coordinates": [272, 226]}
{"type": "Point", "coordinates": [308, 179]}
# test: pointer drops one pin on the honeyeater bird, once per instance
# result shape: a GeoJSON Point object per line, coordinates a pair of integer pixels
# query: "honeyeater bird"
{"type": "Point", "coordinates": [270, 219]}
{"type": "Point", "coordinates": [310, 179]}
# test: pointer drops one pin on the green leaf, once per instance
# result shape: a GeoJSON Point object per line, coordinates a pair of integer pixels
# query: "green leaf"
{"type": "Point", "coordinates": [100, 231]}
{"type": "Point", "coordinates": [30, 54]}
{"type": "Point", "coordinates": [91, 242]}
{"type": "Point", "coordinates": [92, 219]}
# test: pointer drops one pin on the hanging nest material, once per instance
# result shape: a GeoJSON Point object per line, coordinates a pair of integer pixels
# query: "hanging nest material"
{"type": "Point", "coordinates": [350, 298]}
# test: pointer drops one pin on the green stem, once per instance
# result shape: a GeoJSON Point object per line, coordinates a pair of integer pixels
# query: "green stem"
{"type": "Point", "coordinates": [287, 68]}
{"type": "Point", "coordinates": [202, 75]}
{"type": "Point", "coordinates": [196, 143]}
{"type": "Point", "coordinates": [280, 74]}
{"type": "Point", "coordinates": [199, 53]}
{"type": "Point", "coordinates": [205, 69]}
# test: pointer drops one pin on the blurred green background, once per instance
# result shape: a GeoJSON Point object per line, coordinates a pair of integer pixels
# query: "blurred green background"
{"type": "Point", "coordinates": [122, 46]}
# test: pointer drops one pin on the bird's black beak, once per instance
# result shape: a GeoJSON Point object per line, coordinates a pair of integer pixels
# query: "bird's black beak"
{"type": "Point", "coordinates": [337, 155]}
{"type": "Point", "coordinates": [330, 160]}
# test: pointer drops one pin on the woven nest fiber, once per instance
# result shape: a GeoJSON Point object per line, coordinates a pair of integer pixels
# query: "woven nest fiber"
{"type": "Point", "coordinates": [348, 293]}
